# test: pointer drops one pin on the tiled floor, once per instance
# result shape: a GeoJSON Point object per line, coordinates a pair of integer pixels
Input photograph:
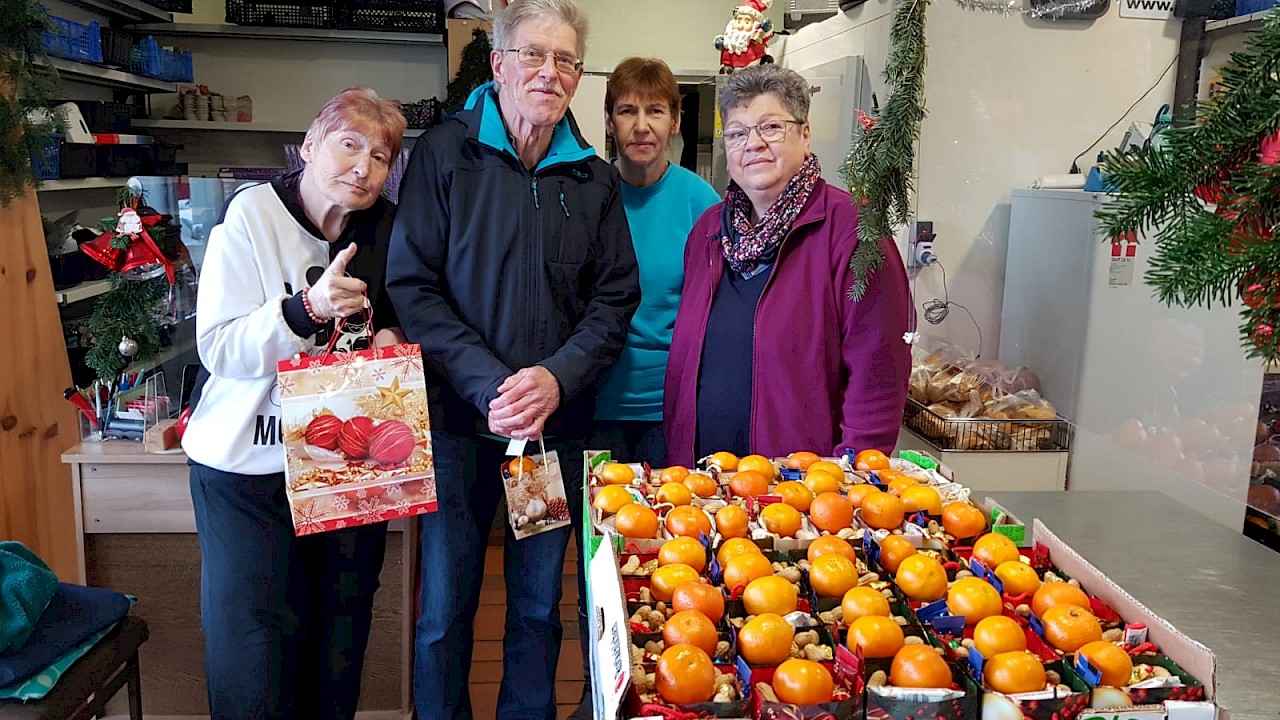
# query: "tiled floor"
{"type": "Point", "coordinates": [486, 664]}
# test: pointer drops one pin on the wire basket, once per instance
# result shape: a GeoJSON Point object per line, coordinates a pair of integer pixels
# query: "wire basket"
{"type": "Point", "coordinates": [411, 16]}
{"type": "Point", "coordinates": [422, 115]}
{"type": "Point", "coordinates": [987, 435]}
{"type": "Point", "coordinates": [303, 13]}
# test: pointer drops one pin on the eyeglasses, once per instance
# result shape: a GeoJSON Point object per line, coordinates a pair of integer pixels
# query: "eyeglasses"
{"type": "Point", "coordinates": [770, 131]}
{"type": "Point", "coordinates": [533, 57]}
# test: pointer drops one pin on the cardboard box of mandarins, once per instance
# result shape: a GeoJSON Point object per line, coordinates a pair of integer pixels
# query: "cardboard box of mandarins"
{"type": "Point", "coordinates": [1061, 700]}
{"type": "Point", "coordinates": [917, 684]}
{"type": "Point", "coordinates": [799, 689]}
{"type": "Point", "coordinates": [659, 691]}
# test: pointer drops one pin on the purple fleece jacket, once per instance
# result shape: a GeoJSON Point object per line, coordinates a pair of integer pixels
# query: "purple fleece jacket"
{"type": "Point", "coordinates": [829, 373]}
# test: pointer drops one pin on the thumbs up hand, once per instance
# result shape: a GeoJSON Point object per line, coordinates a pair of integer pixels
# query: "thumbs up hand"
{"type": "Point", "coordinates": [335, 295]}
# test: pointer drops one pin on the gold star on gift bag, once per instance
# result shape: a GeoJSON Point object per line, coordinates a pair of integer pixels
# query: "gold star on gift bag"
{"type": "Point", "coordinates": [393, 395]}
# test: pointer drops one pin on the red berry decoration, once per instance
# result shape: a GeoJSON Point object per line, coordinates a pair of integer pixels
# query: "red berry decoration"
{"type": "Point", "coordinates": [323, 432]}
{"type": "Point", "coordinates": [391, 443]}
{"type": "Point", "coordinates": [354, 438]}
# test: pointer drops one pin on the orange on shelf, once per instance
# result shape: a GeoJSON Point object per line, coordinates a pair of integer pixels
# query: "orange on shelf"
{"type": "Point", "coordinates": [1014, 672]}
{"type": "Point", "coordinates": [993, 549]}
{"type": "Point", "coordinates": [683, 551]}
{"type": "Point", "coordinates": [704, 486]}
{"type": "Point", "coordinates": [1058, 593]}
{"type": "Point", "coordinates": [899, 484]}
{"type": "Point", "coordinates": [921, 578]}
{"type": "Point", "coordinates": [795, 494]}
{"type": "Point", "coordinates": [734, 547]}
{"type": "Point", "coordinates": [878, 636]}
{"type": "Point", "coordinates": [922, 498]}
{"type": "Point", "coordinates": [675, 473]}
{"type": "Point", "coordinates": [766, 639]}
{"type": "Point", "coordinates": [821, 481]}
{"type": "Point", "coordinates": [666, 579]}
{"type": "Point", "coordinates": [832, 575]}
{"type": "Point", "coordinates": [998, 634]}
{"type": "Point", "coordinates": [859, 493]}
{"type": "Point", "coordinates": [974, 599]}
{"type": "Point", "coordinates": [882, 511]}
{"type": "Point", "coordinates": [870, 459]}
{"type": "Point", "coordinates": [862, 601]}
{"type": "Point", "coordinates": [726, 461]}
{"type": "Point", "coordinates": [731, 522]}
{"type": "Point", "coordinates": [685, 675]}
{"type": "Point", "coordinates": [744, 568]}
{"type": "Point", "coordinates": [919, 666]}
{"type": "Point", "coordinates": [769, 594]}
{"type": "Point", "coordinates": [1109, 659]}
{"type": "Point", "coordinates": [893, 550]}
{"type": "Point", "coordinates": [781, 519]}
{"type": "Point", "coordinates": [760, 464]}
{"type": "Point", "coordinates": [636, 521]}
{"type": "Point", "coordinates": [802, 460]}
{"type": "Point", "coordinates": [688, 521]}
{"type": "Point", "coordinates": [611, 498]}
{"type": "Point", "coordinates": [1069, 628]}
{"type": "Point", "coordinates": [697, 595]}
{"type": "Point", "coordinates": [674, 493]}
{"type": "Point", "coordinates": [831, 511]}
{"type": "Point", "coordinates": [830, 545]}
{"type": "Point", "coordinates": [522, 464]}
{"type": "Point", "coordinates": [1018, 577]}
{"type": "Point", "coordinates": [963, 520]}
{"type": "Point", "coordinates": [693, 628]}
{"type": "Point", "coordinates": [616, 474]}
{"type": "Point", "coordinates": [826, 466]}
{"type": "Point", "coordinates": [748, 483]}
{"type": "Point", "coordinates": [803, 682]}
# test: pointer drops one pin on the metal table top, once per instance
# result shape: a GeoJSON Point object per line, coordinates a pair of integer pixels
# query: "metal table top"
{"type": "Point", "coordinates": [1213, 584]}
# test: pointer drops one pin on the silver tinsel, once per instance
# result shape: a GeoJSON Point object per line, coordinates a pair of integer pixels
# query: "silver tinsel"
{"type": "Point", "coordinates": [1014, 7]}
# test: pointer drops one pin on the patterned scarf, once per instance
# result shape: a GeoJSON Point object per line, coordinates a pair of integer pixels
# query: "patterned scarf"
{"type": "Point", "coordinates": [746, 246]}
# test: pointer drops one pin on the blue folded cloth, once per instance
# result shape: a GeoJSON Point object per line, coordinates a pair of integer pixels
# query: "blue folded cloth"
{"type": "Point", "coordinates": [74, 615]}
{"type": "Point", "coordinates": [26, 587]}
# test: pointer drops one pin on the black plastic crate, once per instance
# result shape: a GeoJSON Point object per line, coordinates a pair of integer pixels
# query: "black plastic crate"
{"type": "Point", "coordinates": [116, 45]}
{"type": "Point", "coordinates": [182, 6]}
{"type": "Point", "coordinates": [78, 160]}
{"type": "Point", "coordinates": [411, 16]}
{"type": "Point", "coordinates": [303, 13]}
{"type": "Point", "coordinates": [105, 117]}
{"type": "Point", "coordinates": [124, 160]}
{"type": "Point", "coordinates": [422, 115]}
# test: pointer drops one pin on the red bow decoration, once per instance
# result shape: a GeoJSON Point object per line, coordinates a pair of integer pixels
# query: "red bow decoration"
{"type": "Point", "coordinates": [142, 251]}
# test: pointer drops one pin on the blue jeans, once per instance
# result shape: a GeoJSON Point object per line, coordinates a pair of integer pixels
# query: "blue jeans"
{"type": "Point", "coordinates": [454, 541]}
{"type": "Point", "coordinates": [286, 619]}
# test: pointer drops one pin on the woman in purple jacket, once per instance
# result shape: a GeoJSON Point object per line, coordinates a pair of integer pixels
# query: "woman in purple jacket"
{"type": "Point", "coordinates": [769, 355]}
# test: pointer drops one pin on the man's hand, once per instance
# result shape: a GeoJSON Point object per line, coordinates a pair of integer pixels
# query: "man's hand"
{"type": "Point", "coordinates": [525, 400]}
{"type": "Point", "coordinates": [388, 336]}
{"type": "Point", "coordinates": [335, 295]}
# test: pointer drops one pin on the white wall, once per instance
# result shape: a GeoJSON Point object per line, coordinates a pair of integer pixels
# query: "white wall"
{"type": "Point", "coordinates": [1008, 99]}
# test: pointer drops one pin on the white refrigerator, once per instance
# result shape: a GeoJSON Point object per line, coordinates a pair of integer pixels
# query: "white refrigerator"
{"type": "Point", "coordinates": [1162, 398]}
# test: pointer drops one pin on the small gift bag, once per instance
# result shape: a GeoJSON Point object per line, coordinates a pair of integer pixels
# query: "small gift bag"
{"type": "Point", "coordinates": [357, 436]}
{"type": "Point", "coordinates": [536, 500]}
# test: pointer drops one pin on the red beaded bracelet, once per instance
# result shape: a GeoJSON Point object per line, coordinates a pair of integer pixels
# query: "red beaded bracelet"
{"type": "Point", "coordinates": [306, 305]}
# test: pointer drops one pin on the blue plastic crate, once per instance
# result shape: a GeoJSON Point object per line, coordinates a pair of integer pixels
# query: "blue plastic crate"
{"type": "Point", "coordinates": [1248, 7]}
{"type": "Point", "coordinates": [73, 40]}
{"type": "Point", "coordinates": [47, 165]}
{"type": "Point", "coordinates": [151, 60]}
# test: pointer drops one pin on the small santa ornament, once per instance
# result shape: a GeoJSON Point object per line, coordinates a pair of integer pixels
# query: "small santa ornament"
{"type": "Point", "coordinates": [746, 37]}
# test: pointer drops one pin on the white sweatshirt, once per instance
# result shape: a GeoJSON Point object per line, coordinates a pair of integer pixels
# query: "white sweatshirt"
{"type": "Point", "coordinates": [256, 258]}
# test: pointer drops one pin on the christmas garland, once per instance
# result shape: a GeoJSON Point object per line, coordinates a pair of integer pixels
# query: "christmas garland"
{"type": "Point", "coordinates": [879, 170]}
{"type": "Point", "coordinates": [26, 85]}
{"type": "Point", "coordinates": [1210, 195]}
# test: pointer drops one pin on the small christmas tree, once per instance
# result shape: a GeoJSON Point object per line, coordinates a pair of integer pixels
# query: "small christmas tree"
{"type": "Point", "coordinates": [473, 70]}
{"type": "Point", "coordinates": [1211, 197]}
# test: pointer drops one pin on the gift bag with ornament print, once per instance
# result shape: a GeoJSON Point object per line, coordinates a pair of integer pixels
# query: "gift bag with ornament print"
{"type": "Point", "coordinates": [357, 436]}
{"type": "Point", "coordinates": [536, 499]}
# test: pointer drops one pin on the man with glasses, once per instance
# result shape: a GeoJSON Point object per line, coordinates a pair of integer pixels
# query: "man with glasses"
{"type": "Point", "coordinates": [513, 266]}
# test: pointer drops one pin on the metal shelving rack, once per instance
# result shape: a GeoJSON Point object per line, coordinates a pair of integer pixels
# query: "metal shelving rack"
{"type": "Point", "coordinates": [1197, 35]}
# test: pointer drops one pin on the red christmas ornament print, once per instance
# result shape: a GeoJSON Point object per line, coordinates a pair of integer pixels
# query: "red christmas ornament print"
{"type": "Point", "coordinates": [354, 438]}
{"type": "Point", "coordinates": [391, 443]}
{"type": "Point", "coordinates": [322, 432]}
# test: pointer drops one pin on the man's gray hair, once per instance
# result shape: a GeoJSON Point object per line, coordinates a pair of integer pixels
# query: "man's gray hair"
{"type": "Point", "coordinates": [519, 11]}
{"type": "Point", "coordinates": [788, 86]}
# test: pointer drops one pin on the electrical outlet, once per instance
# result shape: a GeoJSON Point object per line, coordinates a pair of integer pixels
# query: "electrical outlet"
{"type": "Point", "coordinates": [920, 239]}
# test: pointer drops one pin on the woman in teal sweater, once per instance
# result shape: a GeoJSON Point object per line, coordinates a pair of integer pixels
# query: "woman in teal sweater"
{"type": "Point", "coordinates": [662, 202]}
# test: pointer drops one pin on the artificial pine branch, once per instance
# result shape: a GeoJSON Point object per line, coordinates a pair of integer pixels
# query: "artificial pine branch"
{"type": "Point", "coordinates": [879, 170]}
{"type": "Point", "coordinates": [1210, 201]}
{"type": "Point", "coordinates": [27, 90]}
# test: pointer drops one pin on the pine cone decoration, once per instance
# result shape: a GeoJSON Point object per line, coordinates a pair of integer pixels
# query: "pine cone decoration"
{"type": "Point", "coordinates": [558, 509]}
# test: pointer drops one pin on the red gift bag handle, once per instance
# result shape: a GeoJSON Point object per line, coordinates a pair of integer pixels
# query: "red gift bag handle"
{"type": "Point", "coordinates": [366, 313]}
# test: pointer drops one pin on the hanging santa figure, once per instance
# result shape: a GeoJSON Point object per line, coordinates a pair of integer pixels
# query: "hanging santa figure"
{"type": "Point", "coordinates": [746, 36]}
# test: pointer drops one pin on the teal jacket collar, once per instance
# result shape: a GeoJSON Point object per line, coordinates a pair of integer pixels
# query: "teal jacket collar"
{"type": "Point", "coordinates": [567, 143]}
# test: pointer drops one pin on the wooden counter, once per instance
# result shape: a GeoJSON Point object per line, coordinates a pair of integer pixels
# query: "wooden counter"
{"type": "Point", "coordinates": [136, 533]}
